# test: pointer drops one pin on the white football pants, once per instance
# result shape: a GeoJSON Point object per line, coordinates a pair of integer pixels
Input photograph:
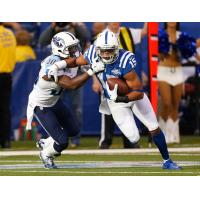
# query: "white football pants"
{"type": "Point", "coordinates": [124, 118]}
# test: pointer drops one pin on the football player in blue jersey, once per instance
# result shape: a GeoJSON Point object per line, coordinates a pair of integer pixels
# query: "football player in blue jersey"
{"type": "Point", "coordinates": [44, 100]}
{"type": "Point", "coordinates": [120, 63]}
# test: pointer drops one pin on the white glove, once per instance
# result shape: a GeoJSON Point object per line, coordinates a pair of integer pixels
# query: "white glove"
{"type": "Point", "coordinates": [53, 71]}
{"type": "Point", "coordinates": [97, 66]}
{"type": "Point", "coordinates": [112, 93]}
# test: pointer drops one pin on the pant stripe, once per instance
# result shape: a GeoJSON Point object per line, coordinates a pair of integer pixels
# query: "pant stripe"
{"type": "Point", "coordinates": [44, 127]}
{"type": "Point", "coordinates": [102, 129]}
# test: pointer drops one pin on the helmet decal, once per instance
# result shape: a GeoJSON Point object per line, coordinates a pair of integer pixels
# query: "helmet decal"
{"type": "Point", "coordinates": [59, 42]}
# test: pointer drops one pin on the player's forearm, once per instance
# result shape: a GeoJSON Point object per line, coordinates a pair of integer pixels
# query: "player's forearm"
{"type": "Point", "coordinates": [74, 62]}
{"type": "Point", "coordinates": [134, 96]}
{"type": "Point", "coordinates": [74, 83]}
{"type": "Point", "coordinates": [69, 63]}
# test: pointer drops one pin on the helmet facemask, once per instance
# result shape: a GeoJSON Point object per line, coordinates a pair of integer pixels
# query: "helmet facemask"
{"type": "Point", "coordinates": [71, 51]}
{"type": "Point", "coordinates": [74, 50]}
{"type": "Point", "coordinates": [108, 55]}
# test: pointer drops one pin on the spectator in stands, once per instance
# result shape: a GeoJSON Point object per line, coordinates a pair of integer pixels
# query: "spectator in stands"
{"type": "Point", "coordinates": [128, 38]}
{"type": "Point", "coordinates": [77, 28]}
{"type": "Point", "coordinates": [170, 80]}
{"type": "Point", "coordinates": [198, 49]}
{"type": "Point", "coordinates": [7, 63]}
{"type": "Point", "coordinates": [72, 97]}
{"type": "Point", "coordinates": [97, 27]}
{"type": "Point", "coordinates": [24, 51]}
{"type": "Point", "coordinates": [31, 27]}
{"type": "Point", "coordinates": [15, 26]}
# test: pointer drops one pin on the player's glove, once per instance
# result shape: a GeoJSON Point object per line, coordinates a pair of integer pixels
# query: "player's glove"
{"type": "Point", "coordinates": [97, 66]}
{"type": "Point", "coordinates": [112, 93]}
{"type": "Point", "coordinates": [53, 71]}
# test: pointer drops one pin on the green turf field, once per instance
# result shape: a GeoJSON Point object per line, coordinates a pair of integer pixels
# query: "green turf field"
{"type": "Point", "coordinates": [145, 162]}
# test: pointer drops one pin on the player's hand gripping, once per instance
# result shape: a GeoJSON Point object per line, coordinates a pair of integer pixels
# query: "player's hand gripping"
{"type": "Point", "coordinates": [112, 93]}
{"type": "Point", "coordinates": [59, 65]}
{"type": "Point", "coordinates": [97, 66]}
{"type": "Point", "coordinates": [53, 71]}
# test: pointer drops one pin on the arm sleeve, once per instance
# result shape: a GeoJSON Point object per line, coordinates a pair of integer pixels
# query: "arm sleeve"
{"type": "Point", "coordinates": [47, 63]}
{"type": "Point", "coordinates": [130, 65]}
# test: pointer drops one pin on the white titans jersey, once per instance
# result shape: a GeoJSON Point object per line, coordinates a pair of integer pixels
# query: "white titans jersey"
{"type": "Point", "coordinates": [47, 93]}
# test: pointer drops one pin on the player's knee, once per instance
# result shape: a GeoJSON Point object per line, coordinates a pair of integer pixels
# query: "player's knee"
{"type": "Point", "coordinates": [155, 131]}
{"type": "Point", "coordinates": [134, 139]}
{"type": "Point", "coordinates": [153, 126]}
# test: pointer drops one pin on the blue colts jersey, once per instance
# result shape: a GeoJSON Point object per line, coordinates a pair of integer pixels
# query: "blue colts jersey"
{"type": "Point", "coordinates": [124, 64]}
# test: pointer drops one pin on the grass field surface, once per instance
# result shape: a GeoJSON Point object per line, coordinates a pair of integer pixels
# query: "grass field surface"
{"type": "Point", "coordinates": [88, 160]}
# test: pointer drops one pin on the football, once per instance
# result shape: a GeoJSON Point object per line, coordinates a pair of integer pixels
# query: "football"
{"type": "Point", "coordinates": [122, 86]}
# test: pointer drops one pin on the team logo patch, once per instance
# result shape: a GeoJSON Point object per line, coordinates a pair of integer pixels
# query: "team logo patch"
{"type": "Point", "coordinates": [116, 72]}
{"type": "Point", "coordinates": [59, 42]}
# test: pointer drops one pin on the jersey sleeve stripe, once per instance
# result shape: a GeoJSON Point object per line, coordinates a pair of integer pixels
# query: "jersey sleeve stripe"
{"type": "Point", "coordinates": [126, 59]}
{"type": "Point", "coordinates": [87, 59]}
{"type": "Point", "coordinates": [122, 58]}
{"type": "Point", "coordinates": [90, 53]}
{"type": "Point", "coordinates": [93, 55]}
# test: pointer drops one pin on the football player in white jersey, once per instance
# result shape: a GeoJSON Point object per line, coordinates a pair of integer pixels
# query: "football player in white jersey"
{"type": "Point", "coordinates": [120, 63]}
{"type": "Point", "coordinates": [44, 104]}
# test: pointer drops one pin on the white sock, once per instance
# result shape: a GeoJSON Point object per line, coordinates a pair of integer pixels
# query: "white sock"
{"type": "Point", "coordinates": [47, 141]}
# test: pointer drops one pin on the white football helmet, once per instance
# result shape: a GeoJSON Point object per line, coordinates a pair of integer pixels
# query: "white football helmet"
{"type": "Point", "coordinates": [107, 47]}
{"type": "Point", "coordinates": [65, 45]}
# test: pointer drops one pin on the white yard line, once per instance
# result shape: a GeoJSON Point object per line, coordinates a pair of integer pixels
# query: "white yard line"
{"type": "Point", "coordinates": [96, 164]}
{"type": "Point", "coordinates": [103, 172]}
{"type": "Point", "coordinates": [104, 152]}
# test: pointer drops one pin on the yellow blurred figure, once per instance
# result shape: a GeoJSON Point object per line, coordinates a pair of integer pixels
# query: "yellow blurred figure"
{"type": "Point", "coordinates": [24, 51]}
{"type": "Point", "coordinates": [7, 50]}
{"type": "Point", "coordinates": [7, 64]}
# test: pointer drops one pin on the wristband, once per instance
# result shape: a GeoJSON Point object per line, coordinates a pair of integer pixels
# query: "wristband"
{"type": "Point", "coordinates": [123, 99]}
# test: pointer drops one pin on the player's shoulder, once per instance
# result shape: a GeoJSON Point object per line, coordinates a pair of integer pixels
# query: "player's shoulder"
{"type": "Point", "coordinates": [90, 49]}
{"type": "Point", "coordinates": [50, 60]}
{"type": "Point", "coordinates": [125, 58]}
{"type": "Point", "coordinates": [90, 53]}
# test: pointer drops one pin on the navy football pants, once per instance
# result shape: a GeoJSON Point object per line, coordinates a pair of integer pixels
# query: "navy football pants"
{"type": "Point", "coordinates": [58, 121]}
